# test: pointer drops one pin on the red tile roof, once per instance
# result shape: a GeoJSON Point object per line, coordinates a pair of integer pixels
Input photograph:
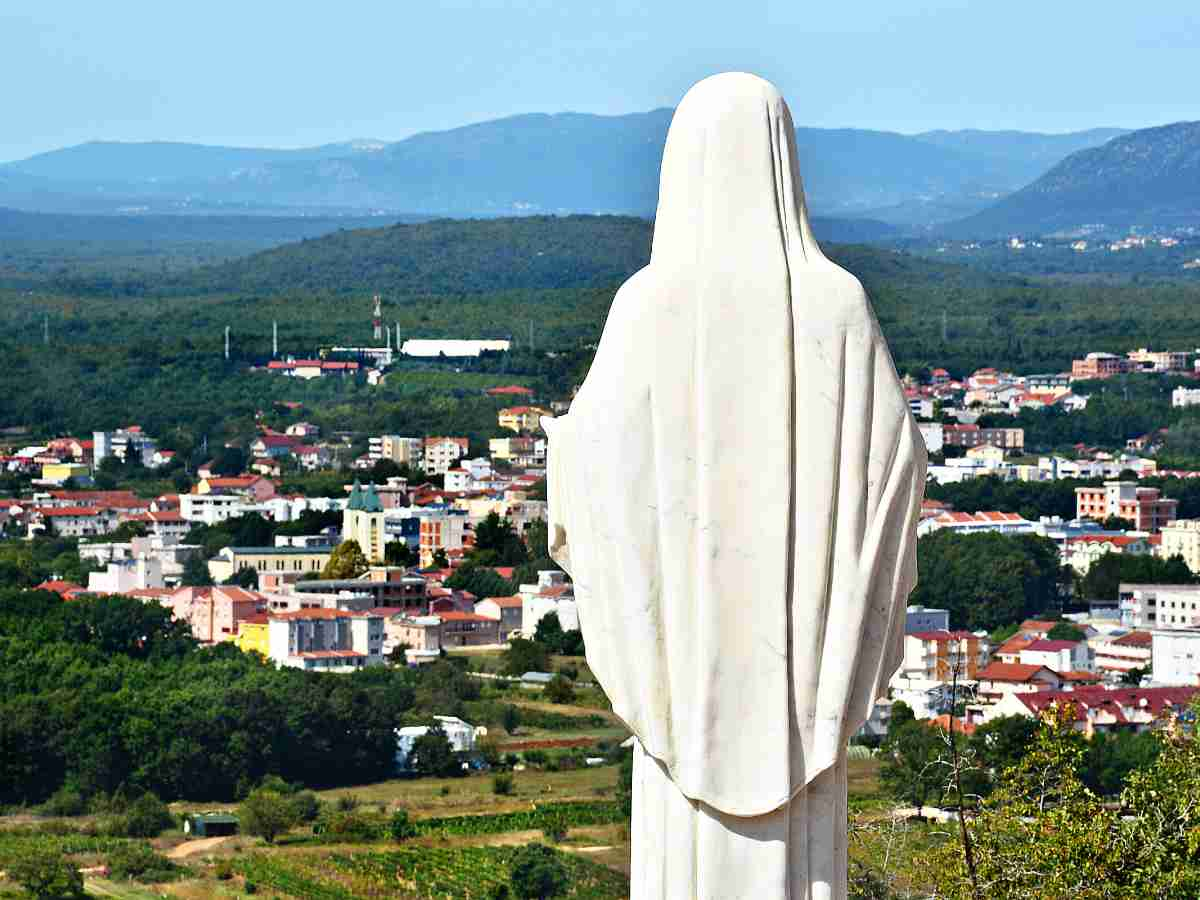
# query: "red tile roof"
{"type": "Point", "coordinates": [456, 616]}
{"type": "Point", "coordinates": [1018, 673]}
{"type": "Point", "coordinates": [1135, 639]}
{"type": "Point", "coordinates": [508, 389]}
{"type": "Point", "coordinates": [1048, 646]}
{"type": "Point", "coordinates": [322, 614]}
{"type": "Point", "coordinates": [1153, 701]}
{"type": "Point", "coordinates": [59, 587]}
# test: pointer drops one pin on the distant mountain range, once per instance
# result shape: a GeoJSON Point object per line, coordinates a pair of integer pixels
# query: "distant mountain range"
{"type": "Point", "coordinates": [1147, 177]}
{"type": "Point", "coordinates": [527, 164]}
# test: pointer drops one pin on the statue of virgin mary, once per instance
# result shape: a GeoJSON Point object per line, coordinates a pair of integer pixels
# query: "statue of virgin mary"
{"type": "Point", "coordinates": [735, 493]}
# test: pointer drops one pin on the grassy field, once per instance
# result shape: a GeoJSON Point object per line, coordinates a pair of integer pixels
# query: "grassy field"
{"type": "Point", "coordinates": [446, 863]}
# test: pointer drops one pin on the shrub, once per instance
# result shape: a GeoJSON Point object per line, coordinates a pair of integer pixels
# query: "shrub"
{"type": "Point", "coordinates": [560, 690]}
{"type": "Point", "coordinates": [307, 806]}
{"type": "Point", "coordinates": [555, 829]}
{"type": "Point", "coordinates": [352, 826]}
{"type": "Point", "coordinates": [347, 803]}
{"type": "Point", "coordinates": [401, 827]}
{"type": "Point", "coordinates": [47, 875]}
{"type": "Point", "coordinates": [147, 817]}
{"type": "Point", "coordinates": [512, 719]}
{"type": "Point", "coordinates": [66, 801]}
{"type": "Point", "coordinates": [223, 870]}
{"type": "Point", "coordinates": [502, 785]}
{"type": "Point", "coordinates": [537, 873]}
{"type": "Point", "coordinates": [138, 861]}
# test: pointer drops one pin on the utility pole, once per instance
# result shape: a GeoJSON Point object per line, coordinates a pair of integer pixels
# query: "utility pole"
{"type": "Point", "coordinates": [943, 326]}
{"type": "Point", "coordinates": [275, 340]}
{"type": "Point", "coordinates": [226, 342]}
{"type": "Point", "coordinates": [46, 330]}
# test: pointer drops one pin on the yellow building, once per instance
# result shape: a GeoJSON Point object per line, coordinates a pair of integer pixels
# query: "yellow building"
{"type": "Point", "coordinates": [362, 521]}
{"type": "Point", "coordinates": [276, 560]}
{"type": "Point", "coordinates": [521, 418]}
{"type": "Point", "coordinates": [60, 472]}
{"type": "Point", "coordinates": [254, 635]}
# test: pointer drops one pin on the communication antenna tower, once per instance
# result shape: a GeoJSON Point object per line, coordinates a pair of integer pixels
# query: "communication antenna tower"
{"type": "Point", "coordinates": [274, 340]}
{"type": "Point", "coordinates": [227, 342]}
{"type": "Point", "coordinates": [378, 319]}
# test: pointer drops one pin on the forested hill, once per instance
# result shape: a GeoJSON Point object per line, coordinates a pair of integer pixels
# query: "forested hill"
{"type": "Point", "coordinates": [446, 256]}
{"type": "Point", "coordinates": [1147, 178]}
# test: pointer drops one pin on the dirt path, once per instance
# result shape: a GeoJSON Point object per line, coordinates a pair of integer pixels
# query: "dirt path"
{"type": "Point", "coordinates": [191, 848]}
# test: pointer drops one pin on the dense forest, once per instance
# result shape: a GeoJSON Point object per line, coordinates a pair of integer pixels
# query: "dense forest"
{"type": "Point", "coordinates": [108, 694]}
{"type": "Point", "coordinates": [149, 351]}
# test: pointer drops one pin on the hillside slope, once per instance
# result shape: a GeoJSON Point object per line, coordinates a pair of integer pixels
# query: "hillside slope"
{"type": "Point", "coordinates": [533, 163]}
{"type": "Point", "coordinates": [1148, 178]}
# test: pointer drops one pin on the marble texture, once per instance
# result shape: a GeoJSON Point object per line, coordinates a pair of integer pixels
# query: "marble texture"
{"type": "Point", "coordinates": [735, 493]}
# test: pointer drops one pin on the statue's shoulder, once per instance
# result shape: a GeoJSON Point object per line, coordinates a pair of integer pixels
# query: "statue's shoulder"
{"type": "Point", "coordinates": [843, 296]}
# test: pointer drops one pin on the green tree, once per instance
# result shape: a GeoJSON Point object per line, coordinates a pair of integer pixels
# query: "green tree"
{"type": "Point", "coordinates": [497, 536]}
{"type": "Point", "coordinates": [433, 755]}
{"type": "Point", "coordinates": [245, 577]}
{"type": "Point", "coordinates": [512, 718]}
{"type": "Point", "coordinates": [346, 561]}
{"type": "Point", "coordinates": [440, 561]}
{"type": "Point", "coordinates": [1065, 631]}
{"type": "Point", "coordinates": [987, 580]}
{"type": "Point", "coordinates": [525, 656]}
{"type": "Point", "coordinates": [1104, 576]}
{"type": "Point", "coordinates": [267, 814]}
{"type": "Point", "coordinates": [480, 581]}
{"type": "Point", "coordinates": [538, 873]}
{"type": "Point", "coordinates": [195, 572]}
{"type": "Point", "coordinates": [46, 874]}
{"type": "Point", "coordinates": [549, 632]}
{"type": "Point", "coordinates": [910, 770]}
{"type": "Point", "coordinates": [398, 553]}
{"type": "Point", "coordinates": [148, 817]}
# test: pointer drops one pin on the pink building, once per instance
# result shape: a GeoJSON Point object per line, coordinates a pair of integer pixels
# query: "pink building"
{"type": "Point", "coordinates": [214, 613]}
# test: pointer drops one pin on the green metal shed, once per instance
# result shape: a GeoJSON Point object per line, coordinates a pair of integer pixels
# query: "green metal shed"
{"type": "Point", "coordinates": [202, 825]}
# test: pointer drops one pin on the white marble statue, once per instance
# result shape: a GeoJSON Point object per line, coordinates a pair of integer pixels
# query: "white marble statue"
{"type": "Point", "coordinates": [735, 493]}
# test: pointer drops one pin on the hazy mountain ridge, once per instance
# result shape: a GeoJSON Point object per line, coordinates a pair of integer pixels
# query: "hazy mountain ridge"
{"type": "Point", "coordinates": [1149, 177]}
{"type": "Point", "coordinates": [531, 163]}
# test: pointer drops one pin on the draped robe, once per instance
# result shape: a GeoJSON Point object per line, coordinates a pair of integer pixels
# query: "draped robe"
{"type": "Point", "coordinates": [734, 493]}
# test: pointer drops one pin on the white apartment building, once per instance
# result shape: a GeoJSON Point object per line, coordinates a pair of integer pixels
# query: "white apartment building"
{"type": "Point", "coordinates": [121, 443]}
{"type": "Point", "coordinates": [441, 453]}
{"type": "Point", "coordinates": [1182, 538]}
{"type": "Point", "coordinates": [1175, 656]}
{"type": "Point", "coordinates": [127, 575]}
{"type": "Point", "coordinates": [1164, 606]}
{"type": "Point", "coordinates": [326, 640]}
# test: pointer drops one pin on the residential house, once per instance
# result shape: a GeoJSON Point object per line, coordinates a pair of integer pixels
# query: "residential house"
{"type": "Point", "coordinates": [1098, 365]}
{"type": "Point", "coordinates": [1118, 655]}
{"type": "Point", "coordinates": [938, 655]}
{"type": "Point", "coordinates": [1058, 655]}
{"type": "Point", "coordinates": [508, 611]}
{"type": "Point", "coordinates": [976, 523]}
{"type": "Point", "coordinates": [1081, 552]}
{"type": "Point", "coordinates": [441, 453]}
{"type": "Point", "coordinates": [123, 443]}
{"type": "Point", "coordinates": [213, 613]}
{"type": "Point", "coordinates": [552, 593]}
{"type": "Point", "coordinates": [1142, 507]}
{"type": "Point", "coordinates": [1098, 709]}
{"type": "Point", "coordinates": [1000, 678]}
{"type": "Point", "coordinates": [974, 436]}
{"type": "Point", "coordinates": [421, 635]}
{"type": "Point", "coordinates": [468, 629]}
{"type": "Point", "coordinates": [522, 418]}
{"type": "Point", "coordinates": [462, 737]}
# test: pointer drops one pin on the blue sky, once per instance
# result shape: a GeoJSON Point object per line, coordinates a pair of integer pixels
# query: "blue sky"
{"type": "Point", "coordinates": [286, 74]}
